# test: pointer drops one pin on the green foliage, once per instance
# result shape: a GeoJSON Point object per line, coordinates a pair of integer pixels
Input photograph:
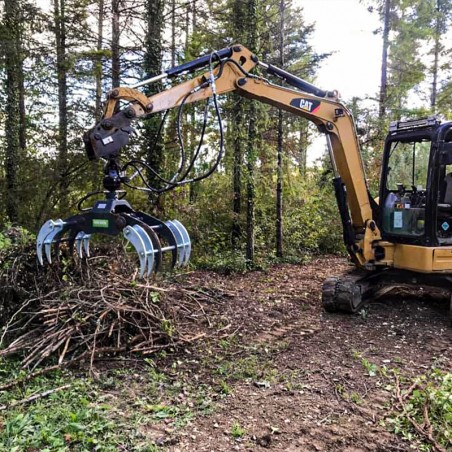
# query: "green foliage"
{"type": "Point", "coordinates": [311, 221]}
{"type": "Point", "coordinates": [421, 404]}
{"type": "Point", "coordinates": [428, 404]}
{"type": "Point", "coordinates": [314, 226]}
{"type": "Point", "coordinates": [237, 431]}
{"type": "Point", "coordinates": [65, 420]}
{"type": "Point", "coordinates": [370, 367]}
{"type": "Point", "coordinates": [5, 242]}
{"type": "Point", "coordinates": [14, 237]}
{"type": "Point", "coordinates": [228, 261]}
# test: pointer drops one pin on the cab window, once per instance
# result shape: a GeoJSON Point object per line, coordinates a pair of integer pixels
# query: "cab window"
{"type": "Point", "coordinates": [404, 204]}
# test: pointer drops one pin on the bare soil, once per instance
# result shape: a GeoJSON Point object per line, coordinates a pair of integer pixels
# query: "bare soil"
{"type": "Point", "coordinates": [293, 377]}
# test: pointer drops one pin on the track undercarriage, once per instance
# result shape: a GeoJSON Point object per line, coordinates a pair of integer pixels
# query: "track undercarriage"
{"type": "Point", "coordinates": [350, 292]}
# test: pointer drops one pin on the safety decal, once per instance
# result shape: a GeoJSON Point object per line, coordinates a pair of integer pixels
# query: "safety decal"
{"type": "Point", "coordinates": [100, 223]}
{"type": "Point", "coordinates": [309, 105]}
{"type": "Point", "coordinates": [398, 220]}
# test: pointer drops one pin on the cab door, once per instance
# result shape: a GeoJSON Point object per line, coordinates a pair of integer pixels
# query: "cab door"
{"type": "Point", "coordinates": [441, 196]}
{"type": "Point", "coordinates": [404, 188]}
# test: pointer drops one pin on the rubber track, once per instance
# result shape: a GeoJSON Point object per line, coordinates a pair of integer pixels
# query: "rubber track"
{"type": "Point", "coordinates": [341, 294]}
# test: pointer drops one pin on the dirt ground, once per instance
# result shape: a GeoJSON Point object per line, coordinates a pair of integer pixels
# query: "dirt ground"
{"type": "Point", "coordinates": [296, 378]}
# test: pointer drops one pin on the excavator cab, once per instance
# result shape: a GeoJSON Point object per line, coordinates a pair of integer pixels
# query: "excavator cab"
{"type": "Point", "coordinates": [416, 183]}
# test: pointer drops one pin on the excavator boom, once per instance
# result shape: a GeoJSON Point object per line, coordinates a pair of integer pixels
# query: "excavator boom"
{"type": "Point", "coordinates": [232, 74]}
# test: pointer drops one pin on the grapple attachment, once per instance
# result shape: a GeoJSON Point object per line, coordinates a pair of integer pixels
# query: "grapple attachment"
{"type": "Point", "coordinates": [151, 238]}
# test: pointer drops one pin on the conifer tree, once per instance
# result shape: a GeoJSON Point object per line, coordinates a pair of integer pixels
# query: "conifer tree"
{"type": "Point", "coordinates": [11, 50]}
{"type": "Point", "coordinates": [154, 15]}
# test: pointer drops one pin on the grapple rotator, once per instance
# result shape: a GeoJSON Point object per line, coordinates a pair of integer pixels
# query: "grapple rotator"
{"type": "Point", "coordinates": [151, 237]}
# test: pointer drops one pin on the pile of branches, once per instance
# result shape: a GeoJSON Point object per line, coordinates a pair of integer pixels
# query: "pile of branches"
{"type": "Point", "coordinates": [75, 312]}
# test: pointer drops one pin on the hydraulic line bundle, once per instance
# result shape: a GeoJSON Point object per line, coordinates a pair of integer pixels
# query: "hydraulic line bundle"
{"type": "Point", "coordinates": [150, 237]}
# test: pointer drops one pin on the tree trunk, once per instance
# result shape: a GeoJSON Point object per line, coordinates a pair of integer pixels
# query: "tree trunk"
{"type": "Point", "coordinates": [250, 185]}
{"type": "Point", "coordinates": [237, 124]}
{"type": "Point", "coordinates": [13, 68]}
{"type": "Point", "coordinates": [194, 16]}
{"type": "Point", "coordinates": [279, 188]}
{"type": "Point", "coordinates": [173, 33]}
{"type": "Point", "coordinates": [153, 66]}
{"type": "Point", "coordinates": [191, 119]}
{"type": "Point", "coordinates": [436, 50]}
{"type": "Point", "coordinates": [115, 36]}
{"type": "Point", "coordinates": [98, 66]}
{"type": "Point", "coordinates": [60, 40]}
{"type": "Point", "coordinates": [303, 154]}
{"type": "Point", "coordinates": [22, 111]}
{"type": "Point", "coordinates": [384, 61]}
{"type": "Point", "coordinates": [240, 25]}
{"type": "Point", "coordinates": [279, 170]}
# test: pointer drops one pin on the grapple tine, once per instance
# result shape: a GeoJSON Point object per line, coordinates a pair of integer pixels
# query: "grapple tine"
{"type": "Point", "coordinates": [158, 230]}
{"type": "Point", "coordinates": [85, 241]}
{"type": "Point", "coordinates": [40, 240]}
{"type": "Point", "coordinates": [149, 248]}
{"type": "Point", "coordinates": [187, 242]}
{"type": "Point", "coordinates": [49, 230]}
{"type": "Point", "coordinates": [135, 239]}
{"type": "Point", "coordinates": [179, 240]}
{"type": "Point", "coordinates": [78, 244]}
{"type": "Point", "coordinates": [48, 246]}
{"type": "Point", "coordinates": [82, 243]}
{"type": "Point", "coordinates": [157, 247]}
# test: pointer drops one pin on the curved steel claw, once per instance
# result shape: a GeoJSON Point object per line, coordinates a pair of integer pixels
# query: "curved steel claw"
{"type": "Point", "coordinates": [82, 243]}
{"type": "Point", "coordinates": [140, 240]}
{"type": "Point", "coordinates": [186, 243]}
{"type": "Point", "coordinates": [183, 242]}
{"type": "Point", "coordinates": [49, 230]}
{"type": "Point", "coordinates": [149, 248]}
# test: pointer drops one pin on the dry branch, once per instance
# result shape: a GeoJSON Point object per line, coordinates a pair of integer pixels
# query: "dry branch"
{"type": "Point", "coordinates": [96, 310]}
{"type": "Point", "coordinates": [425, 431]}
{"type": "Point", "coordinates": [33, 397]}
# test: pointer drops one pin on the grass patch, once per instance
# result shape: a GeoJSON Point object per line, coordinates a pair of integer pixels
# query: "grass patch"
{"type": "Point", "coordinates": [106, 415]}
{"type": "Point", "coordinates": [237, 431]}
{"type": "Point", "coordinates": [65, 420]}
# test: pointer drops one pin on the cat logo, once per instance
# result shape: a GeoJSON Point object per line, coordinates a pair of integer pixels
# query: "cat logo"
{"type": "Point", "coordinates": [305, 104]}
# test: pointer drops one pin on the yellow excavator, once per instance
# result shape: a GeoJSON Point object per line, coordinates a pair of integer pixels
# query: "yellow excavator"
{"type": "Point", "coordinates": [404, 238]}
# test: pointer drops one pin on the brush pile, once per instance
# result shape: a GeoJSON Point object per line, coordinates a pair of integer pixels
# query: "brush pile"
{"type": "Point", "coordinates": [79, 312]}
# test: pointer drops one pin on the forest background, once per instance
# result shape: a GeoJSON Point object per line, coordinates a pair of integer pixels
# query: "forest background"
{"type": "Point", "coordinates": [59, 58]}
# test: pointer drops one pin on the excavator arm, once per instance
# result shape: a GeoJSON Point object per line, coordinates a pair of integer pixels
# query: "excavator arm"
{"type": "Point", "coordinates": [230, 72]}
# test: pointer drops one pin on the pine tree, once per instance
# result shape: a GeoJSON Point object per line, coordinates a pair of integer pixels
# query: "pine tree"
{"type": "Point", "coordinates": [384, 60]}
{"type": "Point", "coordinates": [153, 66]}
{"type": "Point", "coordinates": [98, 67]}
{"type": "Point", "coordinates": [115, 37]}
{"type": "Point", "coordinates": [440, 26]}
{"type": "Point", "coordinates": [11, 50]}
{"type": "Point", "coordinates": [239, 26]}
{"type": "Point", "coordinates": [279, 170]}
